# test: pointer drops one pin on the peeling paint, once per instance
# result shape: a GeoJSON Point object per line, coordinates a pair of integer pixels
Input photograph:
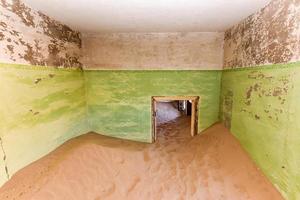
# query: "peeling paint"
{"type": "Point", "coordinates": [30, 37]}
{"type": "Point", "coordinates": [269, 36]}
{"type": "Point", "coordinates": [264, 114]}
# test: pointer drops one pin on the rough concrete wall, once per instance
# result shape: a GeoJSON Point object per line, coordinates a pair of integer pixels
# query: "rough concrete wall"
{"type": "Point", "coordinates": [269, 36]}
{"type": "Point", "coordinates": [153, 51]}
{"type": "Point", "coordinates": [30, 37]}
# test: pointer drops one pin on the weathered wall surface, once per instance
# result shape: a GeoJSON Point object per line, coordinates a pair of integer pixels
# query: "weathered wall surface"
{"type": "Point", "coordinates": [30, 37]}
{"type": "Point", "coordinates": [268, 37]}
{"type": "Point", "coordinates": [153, 51]}
{"type": "Point", "coordinates": [259, 104]}
{"type": "Point", "coordinates": [40, 108]}
{"type": "Point", "coordinates": [119, 102]}
{"type": "Point", "coordinates": [261, 108]}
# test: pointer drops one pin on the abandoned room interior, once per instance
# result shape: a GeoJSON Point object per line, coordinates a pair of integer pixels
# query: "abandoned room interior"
{"type": "Point", "coordinates": [150, 100]}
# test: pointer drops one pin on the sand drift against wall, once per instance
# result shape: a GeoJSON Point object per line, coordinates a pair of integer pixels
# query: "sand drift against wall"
{"type": "Point", "coordinates": [211, 166]}
{"type": "Point", "coordinates": [261, 107]}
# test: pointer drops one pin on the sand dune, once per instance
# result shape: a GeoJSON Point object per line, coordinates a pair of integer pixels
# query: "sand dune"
{"type": "Point", "coordinates": [94, 167]}
{"type": "Point", "coordinates": [167, 111]}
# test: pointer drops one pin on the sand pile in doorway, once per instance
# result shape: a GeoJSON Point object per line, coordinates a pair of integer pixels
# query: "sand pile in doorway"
{"type": "Point", "coordinates": [166, 112]}
{"type": "Point", "coordinates": [93, 167]}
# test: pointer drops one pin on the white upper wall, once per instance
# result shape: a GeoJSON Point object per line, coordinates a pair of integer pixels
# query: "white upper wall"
{"type": "Point", "coordinates": [148, 15]}
{"type": "Point", "coordinates": [141, 51]}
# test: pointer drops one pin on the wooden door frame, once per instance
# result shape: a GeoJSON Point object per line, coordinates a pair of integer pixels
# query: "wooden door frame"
{"type": "Point", "coordinates": [194, 116]}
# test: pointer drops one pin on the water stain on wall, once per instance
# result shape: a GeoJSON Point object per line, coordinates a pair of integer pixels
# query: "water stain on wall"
{"type": "Point", "coordinates": [269, 36]}
{"type": "Point", "coordinates": [30, 37]}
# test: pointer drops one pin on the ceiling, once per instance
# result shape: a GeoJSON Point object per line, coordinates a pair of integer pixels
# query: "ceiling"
{"type": "Point", "coordinates": [148, 15]}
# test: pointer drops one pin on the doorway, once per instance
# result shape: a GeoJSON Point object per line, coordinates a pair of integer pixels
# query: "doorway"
{"type": "Point", "coordinates": [185, 104]}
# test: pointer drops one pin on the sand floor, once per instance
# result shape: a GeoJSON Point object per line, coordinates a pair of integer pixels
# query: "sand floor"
{"type": "Point", "coordinates": [94, 167]}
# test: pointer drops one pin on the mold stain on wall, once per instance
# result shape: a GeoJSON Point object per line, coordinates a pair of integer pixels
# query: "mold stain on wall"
{"type": "Point", "coordinates": [270, 36]}
{"type": "Point", "coordinates": [264, 116]}
{"type": "Point", "coordinates": [30, 37]}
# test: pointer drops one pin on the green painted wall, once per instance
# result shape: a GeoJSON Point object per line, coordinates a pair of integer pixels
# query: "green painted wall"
{"type": "Point", "coordinates": [40, 108]}
{"type": "Point", "coordinates": [261, 106]}
{"type": "Point", "coordinates": [119, 102]}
